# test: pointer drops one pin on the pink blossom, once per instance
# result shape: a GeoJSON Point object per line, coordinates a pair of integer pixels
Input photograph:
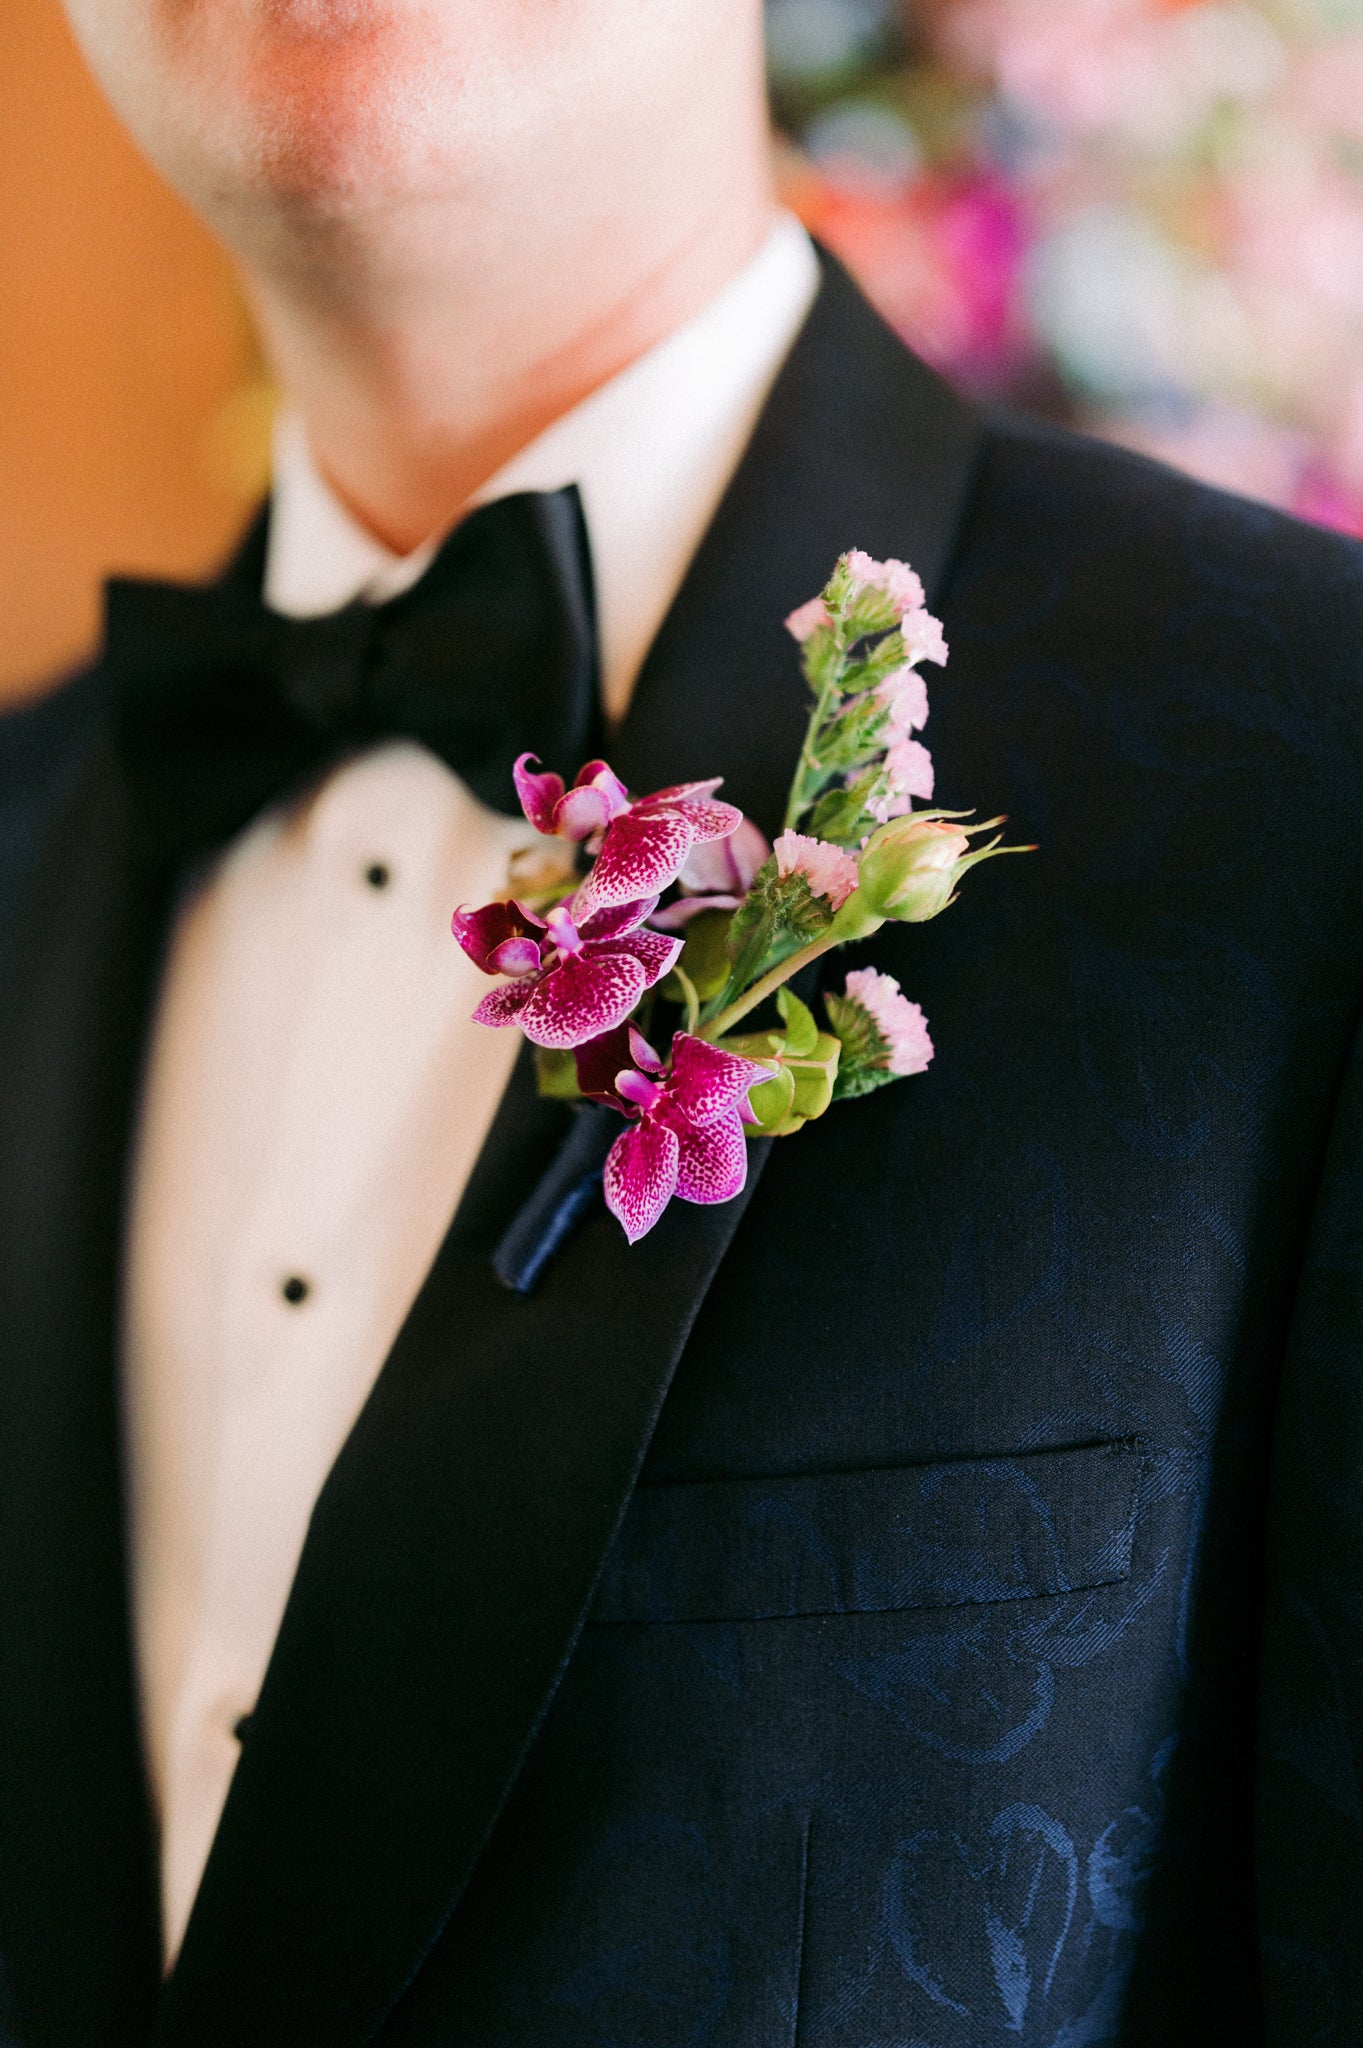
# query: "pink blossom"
{"type": "Point", "coordinates": [908, 766]}
{"type": "Point", "coordinates": [830, 870]}
{"type": "Point", "coordinates": [716, 875]}
{"type": "Point", "coordinates": [571, 978]}
{"type": "Point", "coordinates": [807, 618]}
{"type": "Point", "coordinates": [896, 580]}
{"type": "Point", "coordinates": [905, 696]}
{"type": "Point", "coordinates": [597, 796]}
{"type": "Point", "coordinates": [923, 640]}
{"type": "Point", "coordinates": [646, 846]}
{"type": "Point", "coordinates": [899, 1022]}
{"type": "Point", "coordinates": [686, 1125]}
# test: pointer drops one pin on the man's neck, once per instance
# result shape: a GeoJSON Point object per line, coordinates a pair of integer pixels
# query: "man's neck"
{"type": "Point", "coordinates": [417, 384]}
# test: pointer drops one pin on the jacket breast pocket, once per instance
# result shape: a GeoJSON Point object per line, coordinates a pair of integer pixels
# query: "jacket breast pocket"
{"type": "Point", "coordinates": [948, 1534]}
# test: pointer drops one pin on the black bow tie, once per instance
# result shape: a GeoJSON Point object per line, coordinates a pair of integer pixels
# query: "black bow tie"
{"type": "Point", "coordinates": [221, 705]}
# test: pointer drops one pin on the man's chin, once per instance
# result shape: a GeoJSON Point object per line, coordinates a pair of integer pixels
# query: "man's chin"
{"type": "Point", "coordinates": [319, 108]}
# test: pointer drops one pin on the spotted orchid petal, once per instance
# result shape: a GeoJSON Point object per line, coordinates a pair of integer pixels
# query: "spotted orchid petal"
{"type": "Point", "coordinates": [539, 792]}
{"type": "Point", "coordinates": [712, 1163]}
{"type": "Point", "coordinates": [503, 1005]}
{"type": "Point", "coordinates": [619, 917]}
{"type": "Point", "coordinates": [483, 933]}
{"type": "Point", "coordinates": [600, 776]}
{"type": "Point", "coordinates": [709, 819]}
{"type": "Point", "coordinates": [656, 953]}
{"type": "Point", "coordinates": [584, 996]}
{"type": "Point", "coordinates": [679, 792]}
{"type": "Point", "coordinates": [640, 856]}
{"type": "Point", "coordinates": [640, 1176]}
{"type": "Point", "coordinates": [581, 812]}
{"type": "Point", "coordinates": [707, 1082]}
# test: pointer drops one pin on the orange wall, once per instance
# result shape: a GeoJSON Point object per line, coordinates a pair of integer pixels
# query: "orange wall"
{"type": "Point", "coordinates": [130, 399]}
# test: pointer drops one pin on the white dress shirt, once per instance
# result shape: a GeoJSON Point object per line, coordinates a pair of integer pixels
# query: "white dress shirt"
{"type": "Point", "coordinates": [316, 1092]}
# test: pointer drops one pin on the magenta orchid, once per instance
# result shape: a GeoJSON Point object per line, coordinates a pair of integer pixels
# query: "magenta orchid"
{"type": "Point", "coordinates": [571, 977]}
{"type": "Point", "coordinates": [685, 1134]}
{"type": "Point", "coordinates": [586, 936]}
{"type": "Point", "coordinates": [641, 843]}
{"type": "Point", "coordinates": [646, 847]}
{"type": "Point", "coordinates": [596, 797]}
{"type": "Point", "coordinates": [716, 875]}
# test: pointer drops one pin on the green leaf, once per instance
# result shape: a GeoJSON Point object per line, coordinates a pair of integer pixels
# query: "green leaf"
{"type": "Point", "coordinates": [803, 1086]}
{"type": "Point", "coordinates": [705, 955]}
{"type": "Point", "coordinates": [801, 1031]}
{"type": "Point", "coordinates": [841, 816]}
{"type": "Point", "coordinates": [821, 659]}
{"type": "Point", "coordinates": [865, 1061]}
{"type": "Point", "coordinates": [854, 736]}
{"type": "Point", "coordinates": [816, 1077]}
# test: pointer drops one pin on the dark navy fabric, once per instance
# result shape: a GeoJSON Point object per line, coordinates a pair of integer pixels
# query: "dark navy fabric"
{"type": "Point", "coordinates": [978, 1659]}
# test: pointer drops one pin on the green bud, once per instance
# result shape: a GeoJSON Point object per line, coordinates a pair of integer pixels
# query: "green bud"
{"type": "Point", "coordinates": [911, 866]}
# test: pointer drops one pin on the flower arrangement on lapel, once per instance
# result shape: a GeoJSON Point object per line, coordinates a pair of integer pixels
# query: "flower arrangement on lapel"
{"type": "Point", "coordinates": [587, 952]}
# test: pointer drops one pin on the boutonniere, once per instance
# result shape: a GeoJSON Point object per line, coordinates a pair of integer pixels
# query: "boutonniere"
{"type": "Point", "coordinates": [636, 909]}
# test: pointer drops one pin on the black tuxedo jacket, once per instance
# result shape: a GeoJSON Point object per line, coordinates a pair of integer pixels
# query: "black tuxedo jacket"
{"type": "Point", "coordinates": [920, 1602]}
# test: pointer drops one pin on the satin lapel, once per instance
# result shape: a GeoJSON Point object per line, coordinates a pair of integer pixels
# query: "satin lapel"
{"type": "Point", "coordinates": [78, 1912]}
{"type": "Point", "coordinates": [455, 1546]}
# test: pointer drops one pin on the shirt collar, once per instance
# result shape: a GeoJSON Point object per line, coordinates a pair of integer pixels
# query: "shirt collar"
{"type": "Point", "coordinates": [651, 452]}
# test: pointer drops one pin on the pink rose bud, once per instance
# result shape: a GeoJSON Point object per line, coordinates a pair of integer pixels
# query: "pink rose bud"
{"type": "Point", "coordinates": [910, 868]}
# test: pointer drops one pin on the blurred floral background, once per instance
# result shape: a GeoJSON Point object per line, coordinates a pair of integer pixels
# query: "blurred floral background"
{"type": "Point", "coordinates": [1141, 216]}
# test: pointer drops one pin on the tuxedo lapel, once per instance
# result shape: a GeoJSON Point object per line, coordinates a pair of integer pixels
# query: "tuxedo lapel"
{"type": "Point", "coordinates": [80, 1932]}
{"type": "Point", "coordinates": [456, 1544]}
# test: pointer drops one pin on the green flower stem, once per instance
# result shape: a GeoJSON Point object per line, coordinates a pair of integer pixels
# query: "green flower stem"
{"type": "Point", "coordinates": [692, 1000]}
{"type": "Point", "coordinates": [769, 984]}
{"type": "Point", "coordinates": [808, 763]}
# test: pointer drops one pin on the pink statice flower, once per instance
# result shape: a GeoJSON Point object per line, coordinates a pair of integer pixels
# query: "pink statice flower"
{"type": "Point", "coordinates": [716, 875]}
{"type": "Point", "coordinates": [807, 618]}
{"type": "Point", "coordinates": [570, 977]}
{"type": "Point", "coordinates": [596, 797]}
{"type": "Point", "coordinates": [645, 847]}
{"type": "Point", "coordinates": [909, 774]}
{"type": "Point", "coordinates": [830, 870]}
{"type": "Point", "coordinates": [923, 636]}
{"type": "Point", "coordinates": [895, 579]}
{"type": "Point", "coordinates": [905, 696]}
{"type": "Point", "coordinates": [685, 1135]}
{"type": "Point", "coordinates": [900, 1024]}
